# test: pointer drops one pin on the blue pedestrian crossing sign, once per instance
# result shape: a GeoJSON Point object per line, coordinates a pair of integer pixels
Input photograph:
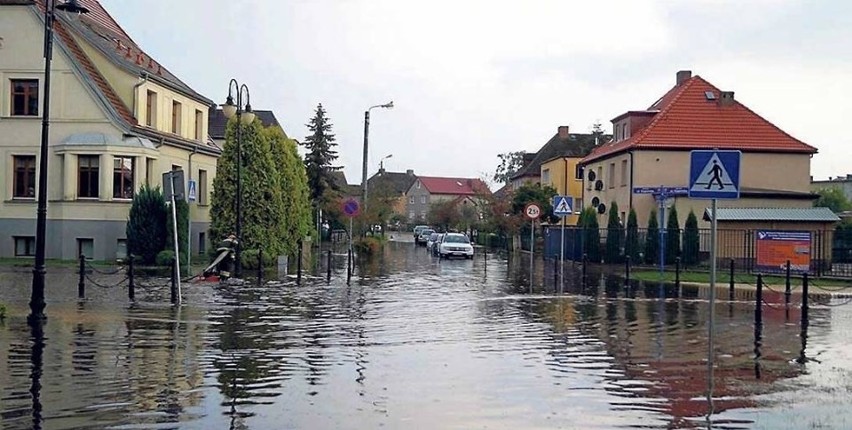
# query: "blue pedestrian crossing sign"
{"type": "Point", "coordinates": [714, 174]}
{"type": "Point", "coordinates": [192, 192]}
{"type": "Point", "coordinates": [562, 205]}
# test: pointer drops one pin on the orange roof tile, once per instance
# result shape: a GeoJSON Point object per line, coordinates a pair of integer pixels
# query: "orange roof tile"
{"type": "Point", "coordinates": [688, 120]}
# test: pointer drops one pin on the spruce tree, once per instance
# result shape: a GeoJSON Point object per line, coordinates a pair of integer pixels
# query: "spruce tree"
{"type": "Point", "coordinates": [614, 234]}
{"type": "Point", "coordinates": [631, 242]}
{"type": "Point", "coordinates": [691, 240]}
{"type": "Point", "coordinates": [652, 239]}
{"type": "Point", "coordinates": [591, 234]}
{"type": "Point", "coordinates": [672, 236]}
{"type": "Point", "coordinates": [320, 157]}
{"type": "Point", "coordinates": [146, 224]}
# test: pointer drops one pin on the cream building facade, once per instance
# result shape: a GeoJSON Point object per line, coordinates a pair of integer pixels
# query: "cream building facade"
{"type": "Point", "coordinates": [118, 120]}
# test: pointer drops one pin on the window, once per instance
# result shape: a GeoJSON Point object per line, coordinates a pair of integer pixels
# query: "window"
{"type": "Point", "coordinates": [578, 172]}
{"type": "Point", "coordinates": [623, 173]}
{"type": "Point", "coordinates": [24, 97]}
{"type": "Point", "coordinates": [611, 178]}
{"type": "Point", "coordinates": [423, 199]}
{"type": "Point", "coordinates": [545, 177]}
{"type": "Point", "coordinates": [151, 109]}
{"type": "Point", "coordinates": [418, 185]}
{"type": "Point", "coordinates": [411, 214]}
{"type": "Point", "coordinates": [411, 201]}
{"type": "Point", "coordinates": [87, 176]}
{"type": "Point", "coordinates": [122, 178]}
{"type": "Point", "coordinates": [24, 246]}
{"type": "Point", "coordinates": [121, 249]}
{"type": "Point", "coordinates": [202, 243]}
{"type": "Point", "coordinates": [24, 176]}
{"type": "Point", "coordinates": [85, 247]}
{"type": "Point", "coordinates": [176, 117]}
{"type": "Point", "coordinates": [199, 121]}
{"type": "Point", "coordinates": [202, 187]}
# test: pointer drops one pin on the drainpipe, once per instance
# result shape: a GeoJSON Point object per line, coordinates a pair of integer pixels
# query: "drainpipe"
{"type": "Point", "coordinates": [630, 204]}
{"type": "Point", "coordinates": [189, 215]}
{"type": "Point", "coordinates": [144, 77]}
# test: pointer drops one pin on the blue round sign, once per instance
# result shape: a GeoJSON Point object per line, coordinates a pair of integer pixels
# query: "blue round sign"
{"type": "Point", "coordinates": [351, 208]}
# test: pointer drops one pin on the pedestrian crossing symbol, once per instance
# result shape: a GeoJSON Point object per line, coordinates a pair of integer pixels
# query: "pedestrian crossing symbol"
{"type": "Point", "coordinates": [562, 205]}
{"type": "Point", "coordinates": [714, 174]}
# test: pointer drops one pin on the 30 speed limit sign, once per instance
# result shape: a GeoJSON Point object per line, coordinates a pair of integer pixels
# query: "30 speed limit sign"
{"type": "Point", "coordinates": [532, 211]}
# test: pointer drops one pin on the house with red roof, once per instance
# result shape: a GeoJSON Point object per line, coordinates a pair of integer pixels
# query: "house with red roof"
{"type": "Point", "coordinates": [428, 190]}
{"type": "Point", "coordinates": [651, 147]}
{"type": "Point", "coordinates": [119, 119]}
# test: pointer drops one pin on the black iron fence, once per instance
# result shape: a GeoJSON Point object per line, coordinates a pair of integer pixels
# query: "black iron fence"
{"type": "Point", "coordinates": [819, 252]}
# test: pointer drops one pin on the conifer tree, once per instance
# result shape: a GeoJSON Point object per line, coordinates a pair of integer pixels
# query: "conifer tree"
{"type": "Point", "coordinates": [652, 239]}
{"type": "Point", "coordinates": [672, 236]}
{"type": "Point", "coordinates": [614, 235]}
{"type": "Point", "coordinates": [321, 154]}
{"type": "Point", "coordinates": [295, 222]}
{"type": "Point", "coordinates": [690, 240]}
{"type": "Point", "coordinates": [631, 242]}
{"type": "Point", "coordinates": [591, 234]}
{"type": "Point", "coordinates": [146, 224]}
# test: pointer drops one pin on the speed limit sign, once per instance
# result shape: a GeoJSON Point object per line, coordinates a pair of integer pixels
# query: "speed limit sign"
{"type": "Point", "coordinates": [532, 211]}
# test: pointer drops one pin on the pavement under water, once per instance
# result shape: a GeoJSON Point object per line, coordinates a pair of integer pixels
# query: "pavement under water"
{"type": "Point", "coordinates": [417, 342]}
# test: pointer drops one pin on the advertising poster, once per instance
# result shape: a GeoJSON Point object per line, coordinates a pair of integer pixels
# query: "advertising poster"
{"type": "Point", "coordinates": [774, 248]}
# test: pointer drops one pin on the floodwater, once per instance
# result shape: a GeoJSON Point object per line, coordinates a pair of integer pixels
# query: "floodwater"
{"type": "Point", "coordinates": [418, 343]}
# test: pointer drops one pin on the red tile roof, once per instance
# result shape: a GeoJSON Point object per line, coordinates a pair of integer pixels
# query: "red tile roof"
{"type": "Point", "coordinates": [688, 120]}
{"type": "Point", "coordinates": [454, 186]}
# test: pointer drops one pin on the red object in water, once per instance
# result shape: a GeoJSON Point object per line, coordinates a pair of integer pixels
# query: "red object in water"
{"type": "Point", "coordinates": [211, 278]}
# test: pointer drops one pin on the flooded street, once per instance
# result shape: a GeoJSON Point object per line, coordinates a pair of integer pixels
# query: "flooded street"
{"type": "Point", "coordinates": [415, 342]}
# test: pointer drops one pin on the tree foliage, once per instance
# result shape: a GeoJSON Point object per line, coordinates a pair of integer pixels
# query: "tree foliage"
{"type": "Point", "coordinates": [320, 156]}
{"type": "Point", "coordinates": [652, 239]}
{"type": "Point", "coordinates": [443, 215]}
{"type": "Point", "coordinates": [672, 236]}
{"type": "Point", "coordinates": [588, 222]}
{"type": "Point", "coordinates": [535, 193]}
{"type": "Point", "coordinates": [614, 235]}
{"type": "Point", "coordinates": [182, 210]}
{"type": "Point", "coordinates": [631, 241]}
{"type": "Point", "coordinates": [295, 222]}
{"type": "Point", "coordinates": [146, 224]}
{"type": "Point", "coordinates": [691, 244]}
{"type": "Point", "coordinates": [834, 199]}
{"type": "Point", "coordinates": [510, 163]}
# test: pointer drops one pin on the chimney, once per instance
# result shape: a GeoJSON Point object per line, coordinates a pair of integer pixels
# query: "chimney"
{"type": "Point", "coordinates": [726, 98]}
{"type": "Point", "coordinates": [683, 76]}
{"type": "Point", "coordinates": [409, 172]}
{"type": "Point", "coordinates": [562, 130]}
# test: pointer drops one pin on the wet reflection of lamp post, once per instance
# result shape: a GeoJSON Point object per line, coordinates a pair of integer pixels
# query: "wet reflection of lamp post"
{"type": "Point", "coordinates": [37, 303]}
{"type": "Point", "coordinates": [243, 117]}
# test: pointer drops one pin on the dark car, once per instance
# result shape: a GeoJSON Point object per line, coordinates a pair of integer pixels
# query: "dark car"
{"type": "Point", "coordinates": [423, 236]}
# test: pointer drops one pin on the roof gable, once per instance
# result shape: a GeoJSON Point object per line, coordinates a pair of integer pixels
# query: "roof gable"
{"type": "Point", "coordinates": [573, 145]}
{"type": "Point", "coordinates": [688, 119]}
{"type": "Point", "coordinates": [396, 182]}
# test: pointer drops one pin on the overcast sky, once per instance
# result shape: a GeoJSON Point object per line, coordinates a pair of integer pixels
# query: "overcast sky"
{"type": "Point", "coordinates": [471, 79]}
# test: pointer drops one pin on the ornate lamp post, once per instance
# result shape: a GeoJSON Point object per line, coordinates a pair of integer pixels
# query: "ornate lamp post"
{"type": "Point", "coordinates": [388, 105]}
{"type": "Point", "coordinates": [244, 116]}
{"type": "Point", "coordinates": [37, 304]}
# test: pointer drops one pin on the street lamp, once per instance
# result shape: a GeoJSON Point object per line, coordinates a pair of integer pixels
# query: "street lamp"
{"type": "Point", "coordinates": [382, 162]}
{"type": "Point", "coordinates": [388, 105]}
{"type": "Point", "coordinates": [37, 304]}
{"type": "Point", "coordinates": [243, 118]}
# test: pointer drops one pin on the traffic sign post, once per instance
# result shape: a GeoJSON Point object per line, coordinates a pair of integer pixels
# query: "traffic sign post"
{"type": "Point", "coordinates": [713, 175]}
{"type": "Point", "coordinates": [532, 211]}
{"type": "Point", "coordinates": [662, 194]}
{"type": "Point", "coordinates": [351, 208]}
{"type": "Point", "coordinates": [562, 207]}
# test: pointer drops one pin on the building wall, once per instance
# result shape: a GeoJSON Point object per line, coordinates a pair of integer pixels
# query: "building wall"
{"type": "Point", "coordinates": [75, 110]}
{"type": "Point", "coordinates": [560, 173]}
{"type": "Point", "coordinates": [418, 202]}
{"type": "Point", "coordinates": [771, 171]}
{"type": "Point", "coordinates": [844, 184]}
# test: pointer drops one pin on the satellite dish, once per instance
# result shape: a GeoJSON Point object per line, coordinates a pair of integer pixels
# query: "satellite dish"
{"type": "Point", "coordinates": [592, 175]}
{"type": "Point", "coordinates": [598, 185]}
{"type": "Point", "coordinates": [601, 208]}
{"type": "Point", "coordinates": [596, 201]}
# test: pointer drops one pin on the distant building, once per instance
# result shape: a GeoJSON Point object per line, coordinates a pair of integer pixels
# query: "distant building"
{"type": "Point", "coordinates": [393, 186]}
{"type": "Point", "coordinates": [217, 123]}
{"type": "Point", "coordinates": [651, 147]}
{"type": "Point", "coordinates": [427, 190]}
{"type": "Point", "coordinates": [844, 183]}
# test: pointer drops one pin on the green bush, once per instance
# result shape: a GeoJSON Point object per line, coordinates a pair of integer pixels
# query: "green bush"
{"type": "Point", "coordinates": [165, 257]}
{"type": "Point", "coordinates": [369, 245]}
{"type": "Point", "coordinates": [591, 234]}
{"type": "Point", "coordinates": [614, 235]}
{"type": "Point", "coordinates": [249, 259]}
{"type": "Point", "coordinates": [146, 224]}
{"type": "Point", "coordinates": [182, 209]}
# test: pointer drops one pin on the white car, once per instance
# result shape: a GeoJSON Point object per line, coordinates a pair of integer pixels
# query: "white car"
{"type": "Point", "coordinates": [455, 245]}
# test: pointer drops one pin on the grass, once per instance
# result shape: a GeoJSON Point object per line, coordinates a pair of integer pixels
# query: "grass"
{"type": "Point", "coordinates": [724, 278]}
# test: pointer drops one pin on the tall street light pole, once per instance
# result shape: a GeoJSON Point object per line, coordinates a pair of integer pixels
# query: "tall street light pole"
{"type": "Point", "coordinates": [37, 303]}
{"type": "Point", "coordinates": [244, 117]}
{"type": "Point", "coordinates": [388, 105]}
{"type": "Point", "coordinates": [382, 162]}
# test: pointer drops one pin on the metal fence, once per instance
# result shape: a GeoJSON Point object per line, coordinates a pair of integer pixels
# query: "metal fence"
{"type": "Point", "coordinates": [830, 251]}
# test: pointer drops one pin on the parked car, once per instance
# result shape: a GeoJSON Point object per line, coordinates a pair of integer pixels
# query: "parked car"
{"type": "Point", "coordinates": [437, 244]}
{"type": "Point", "coordinates": [455, 245]}
{"type": "Point", "coordinates": [418, 229]}
{"type": "Point", "coordinates": [423, 236]}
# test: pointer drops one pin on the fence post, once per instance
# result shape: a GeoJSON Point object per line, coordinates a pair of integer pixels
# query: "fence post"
{"type": "Point", "coordinates": [805, 300]}
{"type": "Point", "coordinates": [758, 301]}
{"type": "Point", "coordinates": [299, 265]}
{"type": "Point", "coordinates": [174, 281]}
{"type": "Point", "coordinates": [259, 265]}
{"type": "Point", "coordinates": [328, 269]}
{"type": "Point", "coordinates": [349, 265]}
{"type": "Point", "coordinates": [81, 284]}
{"type": "Point", "coordinates": [731, 283]}
{"type": "Point", "coordinates": [787, 287]}
{"type": "Point", "coordinates": [585, 263]}
{"type": "Point", "coordinates": [626, 270]}
{"type": "Point", "coordinates": [131, 286]}
{"type": "Point", "coordinates": [677, 272]}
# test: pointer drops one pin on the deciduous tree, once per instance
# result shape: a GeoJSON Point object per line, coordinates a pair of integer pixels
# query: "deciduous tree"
{"type": "Point", "coordinates": [510, 163]}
